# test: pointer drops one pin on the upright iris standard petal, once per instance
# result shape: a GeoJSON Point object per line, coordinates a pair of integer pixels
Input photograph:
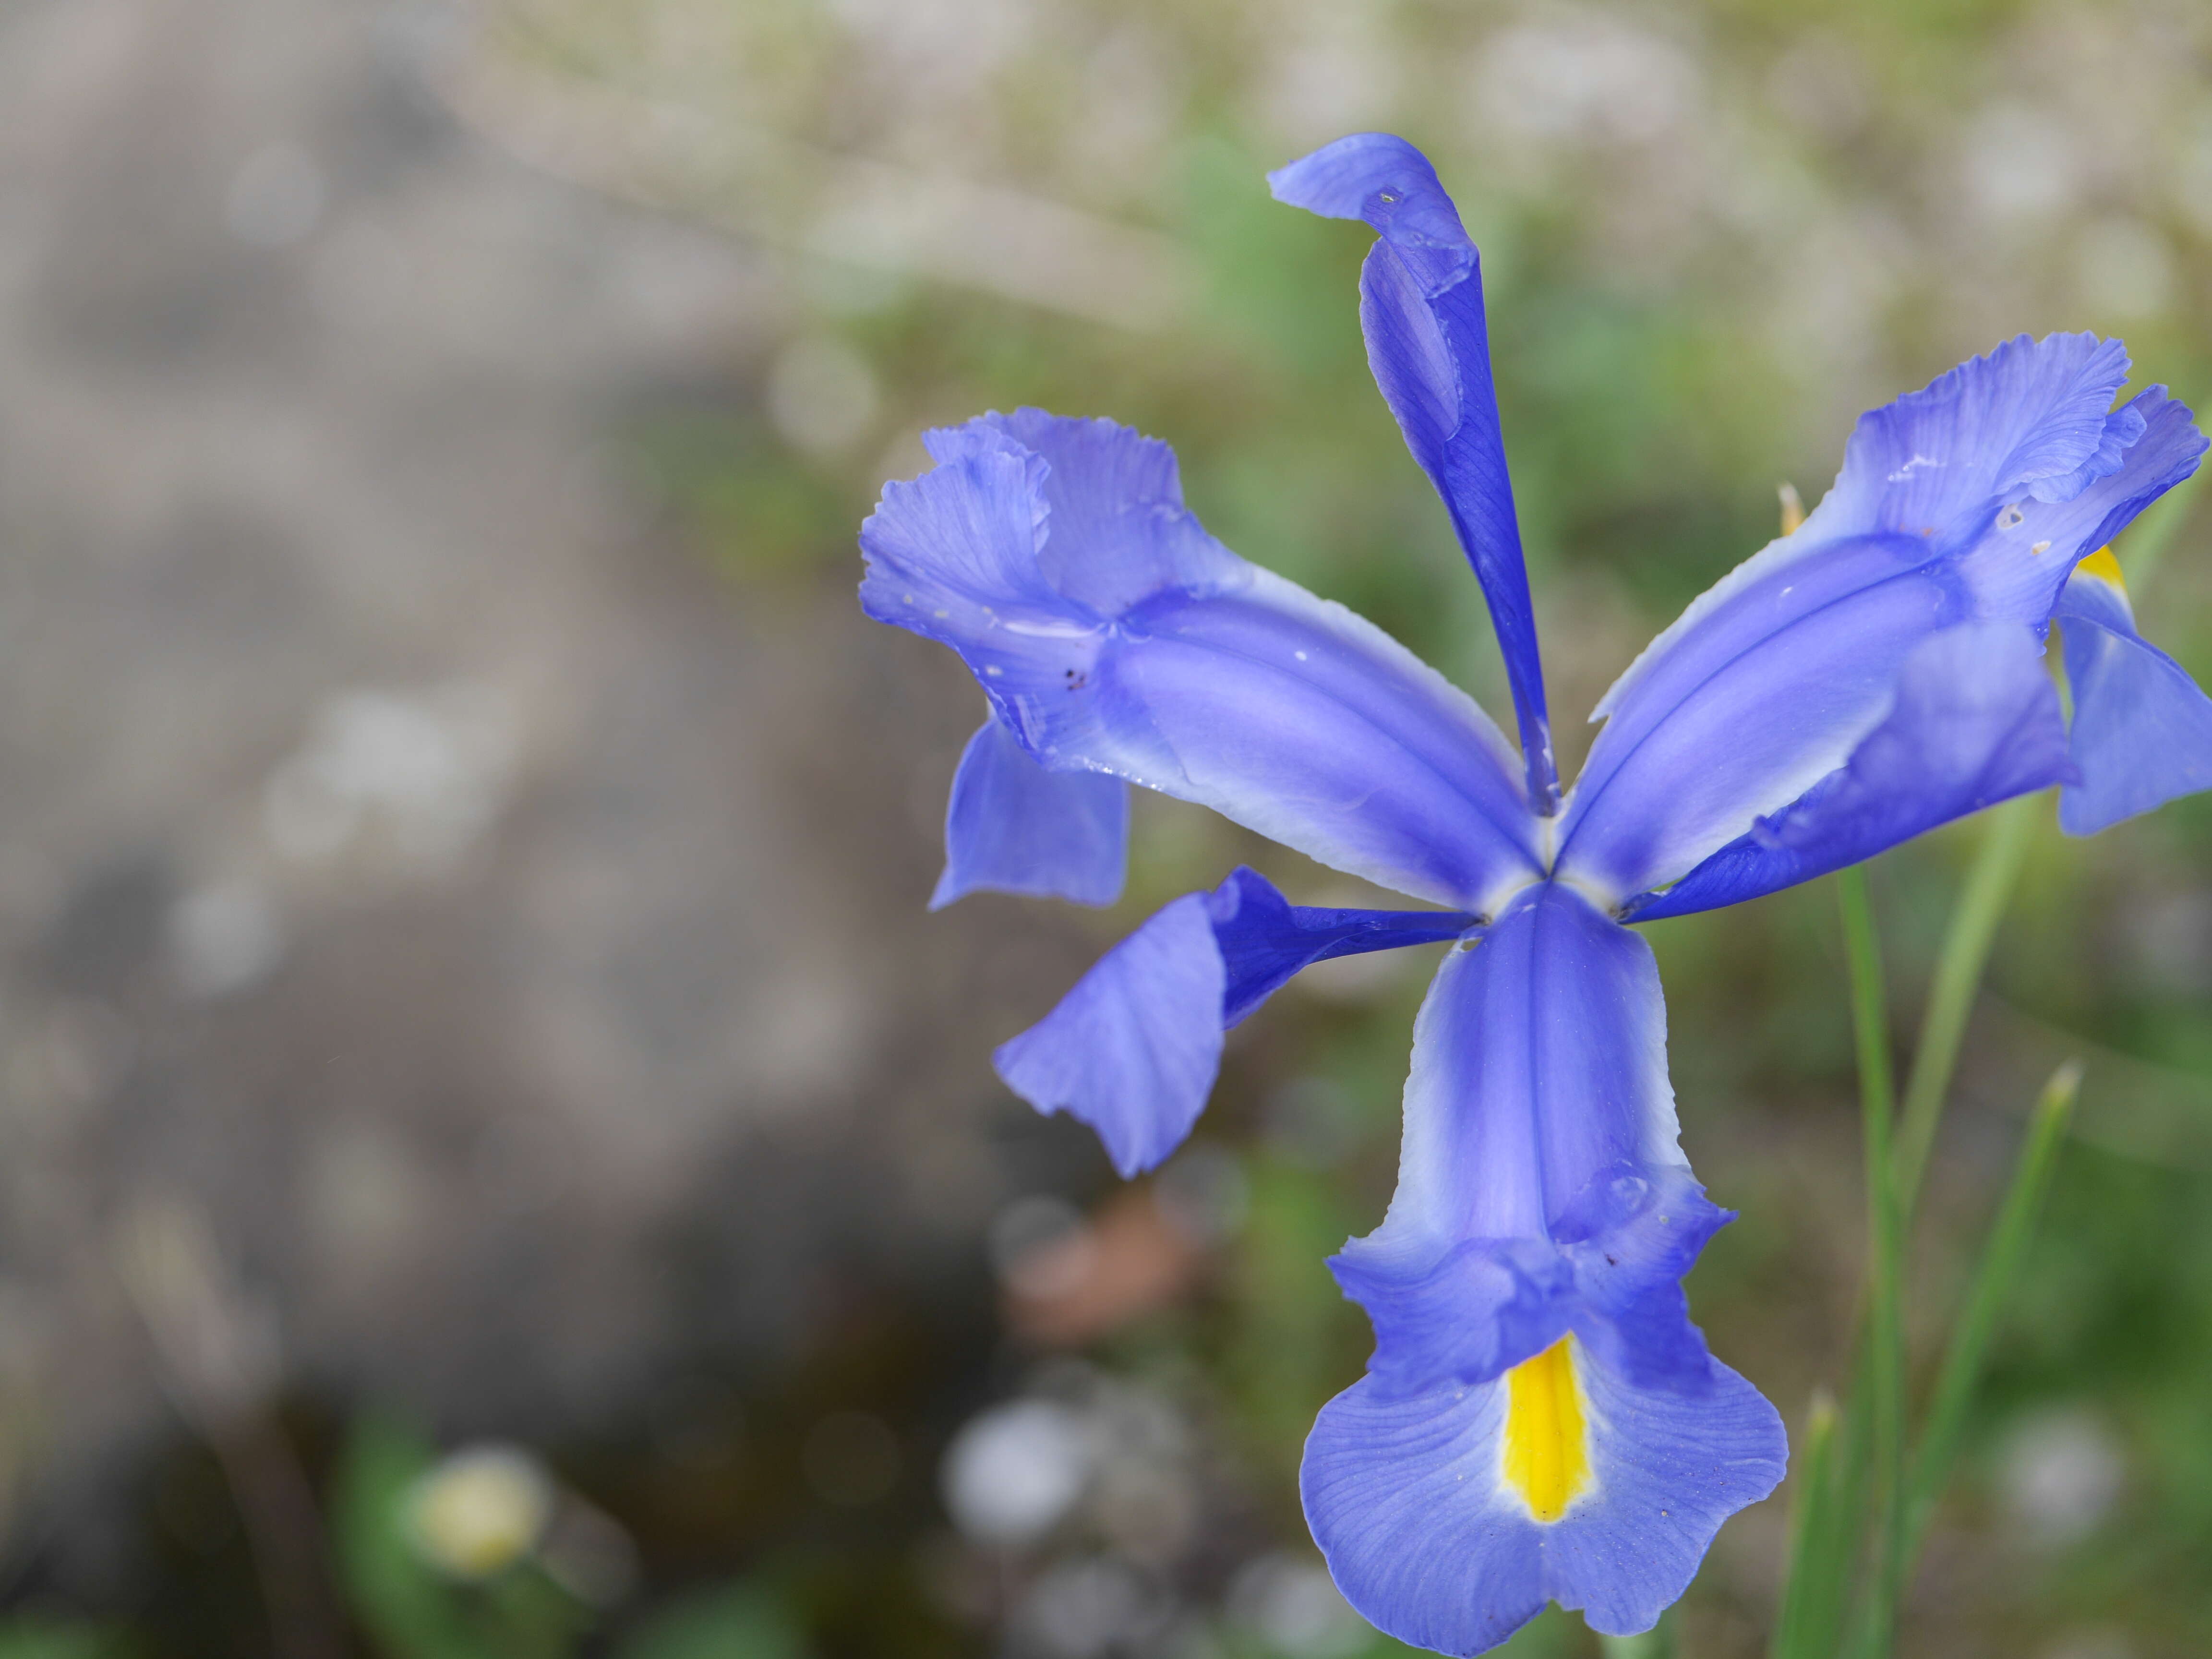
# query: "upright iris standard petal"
{"type": "Point", "coordinates": [1012, 827]}
{"type": "Point", "coordinates": [1768, 682]}
{"type": "Point", "coordinates": [1112, 634]}
{"type": "Point", "coordinates": [1540, 1420]}
{"type": "Point", "coordinates": [1420, 306]}
{"type": "Point", "coordinates": [1133, 1050]}
{"type": "Point", "coordinates": [1119, 529]}
{"type": "Point", "coordinates": [2142, 730]}
{"type": "Point", "coordinates": [1976, 721]}
{"type": "Point", "coordinates": [2033, 419]}
{"type": "Point", "coordinates": [2020, 562]}
{"type": "Point", "coordinates": [1750, 709]}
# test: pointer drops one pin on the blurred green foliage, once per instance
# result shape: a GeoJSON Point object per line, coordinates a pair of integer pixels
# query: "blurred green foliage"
{"type": "Point", "coordinates": [409, 1606]}
{"type": "Point", "coordinates": [41, 1638]}
{"type": "Point", "coordinates": [410, 1609]}
{"type": "Point", "coordinates": [741, 1621]}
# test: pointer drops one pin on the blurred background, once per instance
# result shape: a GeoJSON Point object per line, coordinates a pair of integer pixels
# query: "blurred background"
{"type": "Point", "coordinates": [495, 1158]}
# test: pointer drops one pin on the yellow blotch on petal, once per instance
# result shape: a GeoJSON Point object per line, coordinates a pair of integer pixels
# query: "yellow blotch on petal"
{"type": "Point", "coordinates": [2104, 566]}
{"type": "Point", "coordinates": [1547, 1440]}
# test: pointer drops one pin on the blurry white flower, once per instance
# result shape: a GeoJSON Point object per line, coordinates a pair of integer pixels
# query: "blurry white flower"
{"type": "Point", "coordinates": [2060, 1471]}
{"type": "Point", "coordinates": [1014, 1471]}
{"type": "Point", "coordinates": [480, 1511]}
{"type": "Point", "coordinates": [224, 938]}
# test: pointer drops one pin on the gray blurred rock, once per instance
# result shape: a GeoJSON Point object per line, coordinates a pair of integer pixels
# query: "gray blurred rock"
{"type": "Point", "coordinates": [407, 851]}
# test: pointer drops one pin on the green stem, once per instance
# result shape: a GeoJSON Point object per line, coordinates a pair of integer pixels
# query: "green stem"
{"type": "Point", "coordinates": [1966, 952]}
{"type": "Point", "coordinates": [1884, 1274]}
{"type": "Point", "coordinates": [1657, 1643]}
{"type": "Point", "coordinates": [1985, 1299]}
{"type": "Point", "coordinates": [1861, 1447]}
{"type": "Point", "coordinates": [1820, 1559]}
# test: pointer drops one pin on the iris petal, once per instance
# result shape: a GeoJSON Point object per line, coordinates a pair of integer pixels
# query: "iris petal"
{"type": "Point", "coordinates": [1539, 1420]}
{"type": "Point", "coordinates": [1541, 1186]}
{"type": "Point", "coordinates": [1968, 501]}
{"type": "Point", "coordinates": [2020, 563]}
{"type": "Point", "coordinates": [1112, 634]}
{"type": "Point", "coordinates": [1012, 827]}
{"type": "Point", "coordinates": [1133, 1050]}
{"type": "Point", "coordinates": [1410, 1499]}
{"type": "Point", "coordinates": [1420, 308]}
{"type": "Point", "coordinates": [1750, 709]}
{"type": "Point", "coordinates": [1265, 940]}
{"type": "Point", "coordinates": [2143, 729]}
{"type": "Point", "coordinates": [2032, 418]}
{"type": "Point", "coordinates": [1977, 721]}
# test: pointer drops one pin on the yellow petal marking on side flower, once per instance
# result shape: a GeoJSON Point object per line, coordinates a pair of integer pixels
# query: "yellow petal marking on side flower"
{"type": "Point", "coordinates": [2104, 566]}
{"type": "Point", "coordinates": [1547, 1439]}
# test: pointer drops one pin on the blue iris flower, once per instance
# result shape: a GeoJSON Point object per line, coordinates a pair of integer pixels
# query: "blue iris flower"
{"type": "Point", "coordinates": [1540, 1420]}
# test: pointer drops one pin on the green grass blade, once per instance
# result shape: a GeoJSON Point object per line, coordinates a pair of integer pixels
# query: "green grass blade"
{"type": "Point", "coordinates": [1885, 1269]}
{"type": "Point", "coordinates": [1966, 952]}
{"type": "Point", "coordinates": [1818, 1567]}
{"type": "Point", "coordinates": [1985, 1299]}
{"type": "Point", "coordinates": [1657, 1643]}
